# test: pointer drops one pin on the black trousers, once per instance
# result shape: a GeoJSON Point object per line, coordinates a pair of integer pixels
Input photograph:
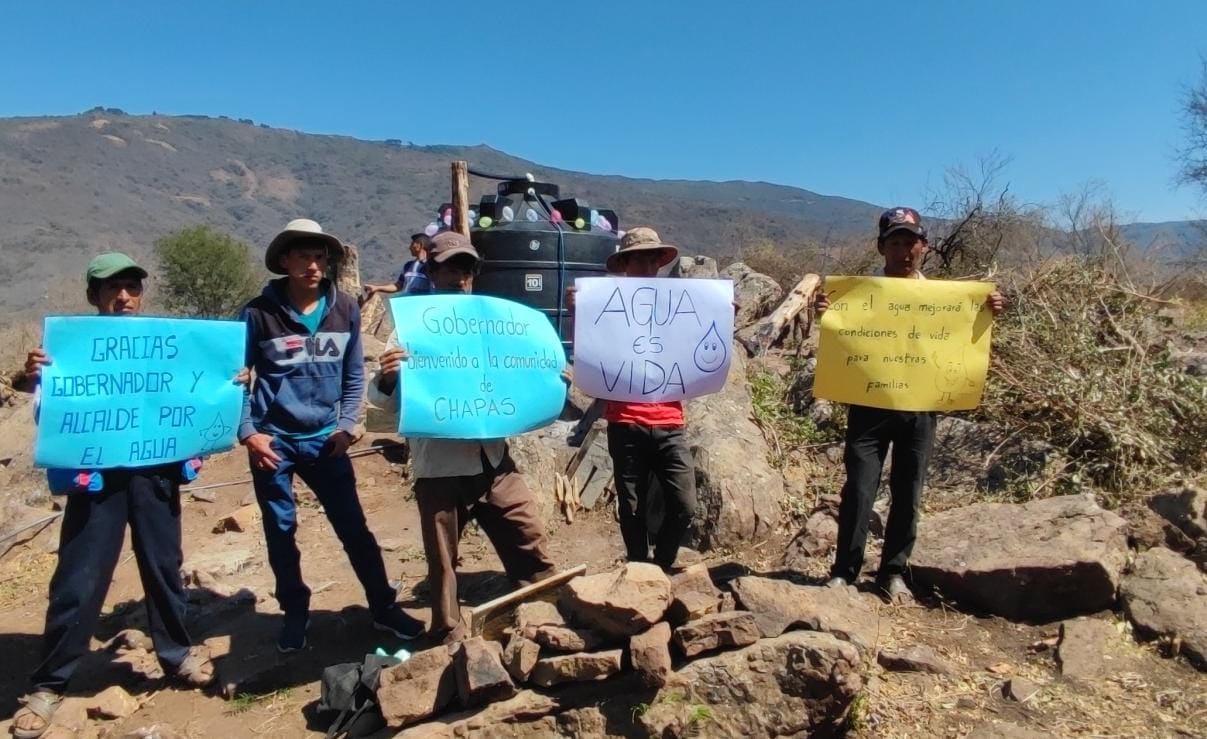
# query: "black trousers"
{"type": "Point", "coordinates": [90, 542]}
{"type": "Point", "coordinates": [639, 452]}
{"type": "Point", "coordinates": [870, 433]}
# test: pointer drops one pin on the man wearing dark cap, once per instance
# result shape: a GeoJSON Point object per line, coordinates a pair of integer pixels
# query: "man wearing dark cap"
{"type": "Point", "coordinates": [456, 480]}
{"type": "Point", "coordinates": [902, 241]}
{"type": "Point", "coordinates": [100, 505]}
{"type": "Point", "coordinates": [303, 340]}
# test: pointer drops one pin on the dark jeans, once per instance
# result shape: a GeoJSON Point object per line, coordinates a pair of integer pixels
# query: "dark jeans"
{"type": "Point", "coordinates": [639, 452]}
{"type": "Point", "coordinates": [870, 432]}
{"type": "Point", "coordinates": [90, 542]}
{"type": "Point", "coordinates": [334, 483]}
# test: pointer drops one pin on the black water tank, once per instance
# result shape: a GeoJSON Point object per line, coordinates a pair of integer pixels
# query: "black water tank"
{"type": "Point", "coordinates": [532, 259]}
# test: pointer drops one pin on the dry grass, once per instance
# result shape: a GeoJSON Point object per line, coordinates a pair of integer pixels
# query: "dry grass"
{"type": "Point", "coordinates": [1083, 361]}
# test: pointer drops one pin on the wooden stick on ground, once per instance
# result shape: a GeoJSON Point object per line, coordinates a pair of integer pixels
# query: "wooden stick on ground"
{"type": "Point", "coordinates": [481, 614]}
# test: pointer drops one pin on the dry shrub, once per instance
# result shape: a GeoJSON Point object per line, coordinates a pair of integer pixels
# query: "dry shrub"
{"type": "Point", "coordinates": [1081, 360]}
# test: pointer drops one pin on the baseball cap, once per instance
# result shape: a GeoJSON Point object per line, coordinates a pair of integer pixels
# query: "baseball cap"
{"type": "Point", "coordinates": [104, 266]}
{"type": "Point", "coordinates": [449, 244]}
{"type": "Point", "coordinates": [901, 219]}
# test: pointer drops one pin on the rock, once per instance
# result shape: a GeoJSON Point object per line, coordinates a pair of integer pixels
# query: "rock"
{"type": "Point", "coordinates": [878, 523]}
{"type": "Point", "coordinates": [538, 613]}
{"type": "Point", "coordinates": [798, 684]}
{"type": "Point", "coordinates": [738, 491]}
{"type": "Point", "coordinates": [650, 654]}
{"type": "Point", "coordinates": [1147, 529]}
{"type": "Point", "coordinates": [524, 706]}
{"type": "Point", "coordinates": [693, 595]}
{"type": "Point", "coordinates": [581, 667]}
{"type": "Point", "coordinates": [699, 267]}
{"type": "Point", "coordinates": [154, 731]}
{"type": "Point", "coordinates": [918, 658]}
{"type": "Point", "coordinates": [1006, 730]}
{"type": "Point", "coordinates": [480, 674]}
{"type": "Point", "coordinates": [1082, 646]}
{"type": "Point", "coordinates": [203, 496]}
{"type": "Point", "coordinates": [1165, 595]}
{"type": "Point", "coordinates": [685, 558]}
{"type": "Point", "coordinates": [111, 703]}
{"type": "Point", "coordinates": [619, 603]}
{"type": "Point", "coordinates": [520, 657]}
{"type": "Point", "coordinates": [717, 631]}
{"type": "Point", "coordinates": [128, 640]}
{"type": "Point", "coordinates": [815, 539]}
{"type": "Point", "coordinates": [1019, 689]}
{"type": "Point", "coordinates": [241, 520]}
{"type": "Point", "coordinates": [755, 293]}
{"type": "Point", "coordinates": [778, 604]}
{"type": "Point", "coordinates": [1185, 508]}
{"type": "Point", "coordinates": [563, 638]}
{"type": "Point", "coordinates": [984, 457]}
{"type": "Point", "coordinates": [220, 563]}
{"type": "Point", "coordinates": [1038, 561]}
{"type": "Point", "coordinates": [422, 686]}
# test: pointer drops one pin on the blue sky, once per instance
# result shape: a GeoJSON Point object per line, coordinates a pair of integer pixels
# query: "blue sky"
{"type": "Point", "coordinates": [870, 100]}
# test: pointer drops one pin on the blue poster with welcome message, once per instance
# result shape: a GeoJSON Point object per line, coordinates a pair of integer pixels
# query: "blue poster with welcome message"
{"type": "Point", "coordinates": [479, 367]}
{"type": "Point", "coordinates": [129, 391]}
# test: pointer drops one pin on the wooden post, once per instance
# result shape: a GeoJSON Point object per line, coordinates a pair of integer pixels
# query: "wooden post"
{"type": "Point", "coordinates": [461, 198]}
{"type": "Point", "coordinates": [483, 613]}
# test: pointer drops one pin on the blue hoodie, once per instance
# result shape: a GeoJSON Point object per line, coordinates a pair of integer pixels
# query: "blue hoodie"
{"type": "Point", "coordinates": [305, 382]}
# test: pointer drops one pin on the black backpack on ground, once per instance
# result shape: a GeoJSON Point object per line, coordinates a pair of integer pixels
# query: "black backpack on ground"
{"type": "Point", "coordinates": [350, 690]}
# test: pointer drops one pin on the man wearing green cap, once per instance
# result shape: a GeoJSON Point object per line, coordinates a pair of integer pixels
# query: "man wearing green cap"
{"type": "Point", "coordinates": [99, 506]}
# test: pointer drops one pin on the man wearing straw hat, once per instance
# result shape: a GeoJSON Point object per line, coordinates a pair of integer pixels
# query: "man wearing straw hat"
{"type": "Point", "coordinates": [648, 441]}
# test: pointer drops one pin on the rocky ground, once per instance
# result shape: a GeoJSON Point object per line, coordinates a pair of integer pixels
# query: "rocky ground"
{"type": "Point", "coordinates": [980, 673]}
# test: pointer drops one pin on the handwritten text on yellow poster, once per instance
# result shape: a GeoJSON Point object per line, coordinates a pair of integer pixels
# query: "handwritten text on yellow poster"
{"type": "Point", "coordinates": [914, 345]}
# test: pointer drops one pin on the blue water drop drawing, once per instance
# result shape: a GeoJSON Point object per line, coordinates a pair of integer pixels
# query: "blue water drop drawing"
{"type": "Point", "coordinates": [712, 351]}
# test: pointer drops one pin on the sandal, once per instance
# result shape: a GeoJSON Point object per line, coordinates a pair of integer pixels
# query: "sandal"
{"type": "Point", "coordinates": [196, 671]}
{"type": "Point", "coordinates": [41, 706]}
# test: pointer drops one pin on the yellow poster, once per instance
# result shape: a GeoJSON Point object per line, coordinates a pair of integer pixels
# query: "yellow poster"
{"type": "Point", "coordinates": [905, 344]}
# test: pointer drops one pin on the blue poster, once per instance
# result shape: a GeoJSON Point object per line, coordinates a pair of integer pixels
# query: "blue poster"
{"type": "Point", "coordinates": [127, 391]}
{"type": "Point", "coordinates": [479, 367]}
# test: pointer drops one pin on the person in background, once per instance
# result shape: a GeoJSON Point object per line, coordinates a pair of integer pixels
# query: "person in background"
{"type": "Point", "coordinates": [413, 279]}
{"type": "Point", "coordinates": [456, 480]}
{"type": "Point", "coordinates": [100, 505]}
{"type": "Point", "coordinates": [303, 341]}
{"type": "Point", "coordinates": [902, 241]}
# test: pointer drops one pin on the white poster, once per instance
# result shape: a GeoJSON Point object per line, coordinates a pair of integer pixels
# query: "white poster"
{"type": "Point", "coordinates": [652, 339]}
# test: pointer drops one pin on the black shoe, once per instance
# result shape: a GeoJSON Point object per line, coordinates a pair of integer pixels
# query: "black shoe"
{"type": "Point", "coordinates": [895, 590]}
{"type": "Point", "coordinates": [397, 622]}
{"type": "Point", "coordinates": [293, 633]}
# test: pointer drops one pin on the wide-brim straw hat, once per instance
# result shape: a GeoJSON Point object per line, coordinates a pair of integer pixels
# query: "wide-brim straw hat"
{"type": "Point", "coordinates": [299, 228]}
{"type": "Point", "coordinates": [641, 238]}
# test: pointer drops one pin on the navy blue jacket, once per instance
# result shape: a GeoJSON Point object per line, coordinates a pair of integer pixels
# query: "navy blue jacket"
{"type": "Point", "coordinates": [303, 383]}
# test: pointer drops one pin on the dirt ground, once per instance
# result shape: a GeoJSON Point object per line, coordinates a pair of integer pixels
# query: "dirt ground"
{"type": "Point", "coordinates": [1144, 694]}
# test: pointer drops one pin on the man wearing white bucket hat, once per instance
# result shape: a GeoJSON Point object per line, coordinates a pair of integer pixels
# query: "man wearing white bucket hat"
{"type": "Point", "coordinates": [304, 344]}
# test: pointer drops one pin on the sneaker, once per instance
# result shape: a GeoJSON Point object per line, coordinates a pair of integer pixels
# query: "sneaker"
{"type": "Point", "coordinates": [397, 622]}
{"type": "Point", "coordinates": [837, 582]}
{"type": "Point", "coordinates": [293, 633]}
{"type": "Point", "coordinates": [895, 589]}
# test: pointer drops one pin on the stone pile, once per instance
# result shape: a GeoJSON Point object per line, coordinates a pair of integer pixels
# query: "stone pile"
{"type": "Point", "coordinates": [664, 635]}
